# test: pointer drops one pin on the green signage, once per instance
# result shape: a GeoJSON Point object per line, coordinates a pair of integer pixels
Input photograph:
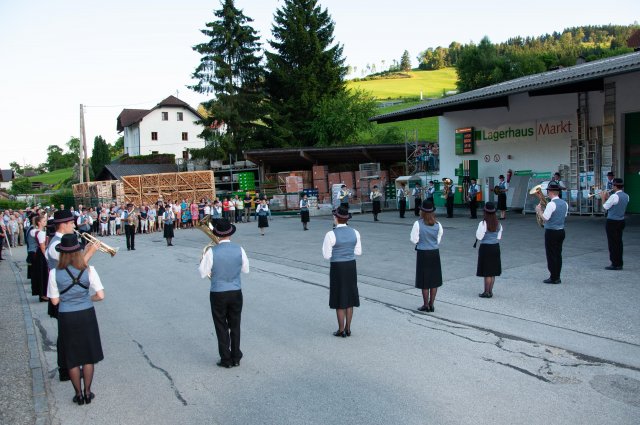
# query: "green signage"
{"type": "Point", "coordinates": [465, 141]}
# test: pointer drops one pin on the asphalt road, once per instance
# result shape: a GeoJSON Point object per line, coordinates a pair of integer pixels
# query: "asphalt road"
{"type": "Point", "coordinates": [534, 354]}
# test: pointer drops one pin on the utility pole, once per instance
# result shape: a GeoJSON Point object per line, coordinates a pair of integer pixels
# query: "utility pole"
{"type": "Point", "coordinates": [81, 158]}
{"type": "Point", "coordinates": [83, 149]}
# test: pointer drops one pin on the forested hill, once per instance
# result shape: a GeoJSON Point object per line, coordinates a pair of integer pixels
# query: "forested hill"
{"type": "Point", "coordinates": [487, 63]}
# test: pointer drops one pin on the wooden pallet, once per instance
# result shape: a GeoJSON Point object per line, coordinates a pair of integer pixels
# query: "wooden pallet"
{"type": "Point", "coordinates": [149, 188]}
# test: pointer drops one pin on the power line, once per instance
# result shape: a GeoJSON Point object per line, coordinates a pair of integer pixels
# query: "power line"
{"type": "Point", "coordinates": [122, 106]}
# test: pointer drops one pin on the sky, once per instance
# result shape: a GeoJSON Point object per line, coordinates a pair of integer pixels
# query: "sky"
{"type": "Point", "coordinates": [116, 54]}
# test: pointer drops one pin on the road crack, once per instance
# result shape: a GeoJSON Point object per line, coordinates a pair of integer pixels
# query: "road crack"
{"type": "Point", "coordinates": [164, 372]}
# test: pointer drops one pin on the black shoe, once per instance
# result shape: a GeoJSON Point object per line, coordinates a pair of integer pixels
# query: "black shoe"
{"type": "Point", "coordinates": [613, 268]}
{"type": "Point", "coordinates": [133, 249]}
{"type": "Point", "coordinates": [89, 397]}
{"type": "Point", "coordinates": [423, 308]}
{"type": "Point", "coordinates": [347, 332]}
{"type": "Point", "coordinates": [340, 333]}
{"type": "Point", "coordinates": [78, 399]}
{"type": "Point", "coordinates": [484, 295]}
{"type": "Point", "coordinates": [223, 364]}
{"type": "Point", "coordinates": [432, 309]}
{"type": "Point", "coordinates": [553, 281]}
{"type": "Point", "coordinates": [236, 363]}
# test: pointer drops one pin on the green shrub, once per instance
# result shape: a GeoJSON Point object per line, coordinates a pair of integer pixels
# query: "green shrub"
{"type": "Point", "coordinates": [14, 205]}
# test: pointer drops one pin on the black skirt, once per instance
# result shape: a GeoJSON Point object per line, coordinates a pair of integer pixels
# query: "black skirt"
{"type": "Point", "coordinates": [80, 337]}
{"type": "Point", "coordinates": [489, 263]}
{"type": "Point", "coordinates": [263, 221]}
{"type": "Point", "coordinates": [29, 264]}
{"type": "Point", "coordinates": [168, 230]}
{"type": "Point", "coordinates": [428, 269]}
{"type": "Point", "coordinates": [343, 285]}
{"type": "Point", "coordinates": [376, 207]}
{"type": "Point", "coordinates": [39, 274]}
{"type": "Point", "coordinates": [304, 216]}
{"type": "Point", "coordinates": [502, 201]}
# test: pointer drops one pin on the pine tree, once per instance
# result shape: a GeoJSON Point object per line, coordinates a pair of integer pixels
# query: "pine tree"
{"type": "Point", "coordinates": [405, 61]}
{"type": "Point", "coordinates": [230, 70]}
{"type": "Point", "coordinates": [304, 68]}
{"type": "Point", "coordinates": [100, 155]}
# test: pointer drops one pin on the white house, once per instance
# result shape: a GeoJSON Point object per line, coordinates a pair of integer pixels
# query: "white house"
{"type": "Point", "coordinates": [6, 179]}
{"type": "Point", "coordinates": [170, 127]}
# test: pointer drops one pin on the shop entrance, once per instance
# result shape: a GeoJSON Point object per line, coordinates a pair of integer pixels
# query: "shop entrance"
{"type": "Point", "coordinates": [632, 160]}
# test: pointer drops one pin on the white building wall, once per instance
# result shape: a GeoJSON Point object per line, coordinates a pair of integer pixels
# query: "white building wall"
{"type": "Point", "coordinates": [169, 132]}
{"type": "Point", "coordinates": [542, 155]}
{"type": "Point", "coordinates": [132, 140]}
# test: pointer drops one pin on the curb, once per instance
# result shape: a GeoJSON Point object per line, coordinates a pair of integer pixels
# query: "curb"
{"type": "Point", "coordinates": [40, 402]}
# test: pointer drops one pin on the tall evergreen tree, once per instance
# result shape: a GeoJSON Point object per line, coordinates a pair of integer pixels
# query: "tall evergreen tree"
{"type": "Point", "coordinates": [303, 68]}
{"type": "Point", "coordinates": [230, 69]}
{"type": "Point", "coordinates": [405, 61]}
{"type": "Point", "coordinates": [100, 155]}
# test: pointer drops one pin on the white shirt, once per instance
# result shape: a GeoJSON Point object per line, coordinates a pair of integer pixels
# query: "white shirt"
{"type": "Point", "coordinates": [551, 207]}
{"type": "Point", "coordinates": [482, 229]}
{"type": "Point", "coordinates": [415, 232]}
{"type": "Point", "coordinates": [416, 191]}
{"type": "Point", "coordinates": [207, 262]}
{"type": "Point", "coordinates": [207, 210]}
{"type": "Point", "coordinates": [95, 283]}
{"type": "Point", "coordinates": [51, 249]}
{"type": "Point", "coordinates": [375, 195]}
{"type": "Point", "coordinates": [330, 241]}
{"type": "Point", "coordinates": [401, 193]}
{"type": "Point", "coordinates": [611, 201]}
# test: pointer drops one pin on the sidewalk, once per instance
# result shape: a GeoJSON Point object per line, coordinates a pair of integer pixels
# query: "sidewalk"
{"type": "Point", "coordinates": [22, 392]}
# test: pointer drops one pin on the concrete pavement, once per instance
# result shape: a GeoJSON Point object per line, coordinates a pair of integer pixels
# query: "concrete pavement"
{"type": "Point", "coordinates": [534, 353]}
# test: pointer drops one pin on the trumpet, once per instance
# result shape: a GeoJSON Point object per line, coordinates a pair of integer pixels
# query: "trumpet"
{"type": "Point", "coordinates": [103, 247]}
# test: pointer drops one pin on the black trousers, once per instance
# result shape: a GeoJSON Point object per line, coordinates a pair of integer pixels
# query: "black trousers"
{"type": "Point", "coordinates": [416, 208]}
{"type": "Point", "coordinates": [402, 205]}
{"type": "Point", "coordinates": [450, 206]}
{"type": "Point", "coordinates": [553, 240]}
{"type": "Point", "coordinates": [473, 207]}
{"type": "Point", "coordinates": [226, 308]}
{"type": "Point", "coordinates": [614, 239]}
{"type": "Point", "coordinates": [130, 234]}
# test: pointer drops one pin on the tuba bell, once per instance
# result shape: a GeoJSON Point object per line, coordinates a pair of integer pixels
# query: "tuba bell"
{"type": "Point", "coordinates": [537, 191]}
{"type": "Point", "coordinates": [447, 187]}
{"type": "Point", "coordinates": [207, 228]}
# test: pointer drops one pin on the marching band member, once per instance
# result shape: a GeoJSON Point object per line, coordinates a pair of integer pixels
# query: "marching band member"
{"type": "Point", "coordinates": [344, 196]}
{"type": "Point", "coordinates": [609, 185]}
{"type": "Point", "coordinates": [616, 205]}
{"type": "Point", "coordinates": [340, 246]}
{"type": "Point", "coordinates": [431, 190]}
{"type": "Point", "coordinates": [556, 178]}
{"type": "Point", "coordinates": [473, 201]}
{"type": "Point", "coordinates": [489, 233]}
{"type": "Point", "coordinates": [376, 201]}
{"type": "Point", "coordinates": [168, 218]}
{"type": "Point", "coordinates": [304, 211]}
{"type": "Point", "coordinates": [417, 197]}
{"type": "Point", "coordinates": [426, 234]}
{"type": "Point", "coordinates": [128, 218]}
{"type": "Point", "coordinates": [222, 264]}
{"type": "Point", "coordinates": [263, 213]}
{"type": "Point", "coordinates": [401, 195]}
{"type": "Point", "coordinates": [554, 216]}
{"type": "Point", "coordinates": [450, 198]}
{"type": "Point", "coordinates": [69, 285]}
{"type": "Point", "coordinates": [40, 268]}
{"type": "Point", "coordinates": [503, 188]}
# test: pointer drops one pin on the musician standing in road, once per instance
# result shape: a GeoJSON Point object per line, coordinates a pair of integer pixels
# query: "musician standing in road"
{"type": "Point", "coordinates": [344, 196]}
{"type": "Point", "coordinates": [556, 178]}
{"type": "Point", "coordinates": [222, 264]}
{"type": "Point", "coordinates": [554, 216]}
{"type": "Point", "coordinates": [430, 191]}
{"type": "Point", "coordinates": [417, 198]}
{"type": "Point", "coordinates": [609, 184]}
{"type": "Point", "coordinates": [503, 188]}
{"type": "Point", "coordinates": [426, 234]}
{"type": "Point", "coordinates": [401, 195]}
{"type": "Point", "coordinates": [304, 211]}
{"type": "Point", "coordinates": [489, 233]}
{"type": "Point", "coordinates": [450, 198]}
{"type": "Point", "coordinates": [616, 205]}
{"type": "Point", "coordinates": [473, 197]}
{"type": "Point", "coordinates": [128, 217]}
{"type": "Point", "coordinates": [376, 202]}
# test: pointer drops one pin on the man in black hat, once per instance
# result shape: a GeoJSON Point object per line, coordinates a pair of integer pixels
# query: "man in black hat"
{"type": "Point", "coordinates": [344, 196]}
{"type": "Point", "coordinates": [64, 222]}
{"type": "Point", "coordinates": [554, 216]}
{"type": "Point", "coordinates": [609, 183]}
{"type": "Point", "coordinates": [556, 178]}
{"type": "Point", "coordinates": [473, 198]}
{"type": "Point", "coordinates": [615, 205]}
{"type": "Point", "coordinates": [223, 264]}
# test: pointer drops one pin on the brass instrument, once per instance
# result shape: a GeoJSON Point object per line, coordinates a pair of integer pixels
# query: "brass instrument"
{"type": "Point", "coordinates": [600, 193]}
{"type": "Point", "coordinates": [103, 247]}
{"type": "Point", "coordinates": [537, 190]}
{"type": "Point", "coordinates": [447, 187]}
{"type": "Point", "coordinates": [496, 190]}
{"type": "Point", "coordinates": [207, 228]}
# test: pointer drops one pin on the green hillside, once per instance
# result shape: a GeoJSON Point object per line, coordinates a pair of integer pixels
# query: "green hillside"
{"type": "Point", "coordinates": [426, 128]}
{"type": "Point", "coordinates": [430, 83]}
{"type": "Point", "coordinates": [55, 177]}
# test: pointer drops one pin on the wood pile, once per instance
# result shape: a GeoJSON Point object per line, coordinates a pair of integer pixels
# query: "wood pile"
{"type": "Point", "coordinates": [92, 193]}
{"type": "Point", "coordinates": [150, 188]}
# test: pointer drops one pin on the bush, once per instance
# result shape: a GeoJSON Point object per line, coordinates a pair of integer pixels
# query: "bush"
{"type": "Point", "coordinates": [62, 197]}
{"type": "Point", "coordinates": [13, 205]}
{"type": "Point", "coordinates": [161, 158]}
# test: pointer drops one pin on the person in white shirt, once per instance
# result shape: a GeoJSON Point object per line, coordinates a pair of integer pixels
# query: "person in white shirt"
{"type": "Point", "coordinates": [554, 216]}
{"type": "Point", "coordinates": [489, 233]}
{"type": "Point", "coordinates": [376, 202]}
{"type": "Point", "coordinates": [426, 234]}
{"type": "Point", "coordinates": [401, 196]}
{"type": "Point", "coordinates": [263, 213]}
{"type": "Point", "coordinates": [340, 246]}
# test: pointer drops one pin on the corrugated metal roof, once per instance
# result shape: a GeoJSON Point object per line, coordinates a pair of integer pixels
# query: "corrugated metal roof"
{"type": "Point", "coordinates": [119, 170]}
{"type": "Point", "coordinates": [551, 79]}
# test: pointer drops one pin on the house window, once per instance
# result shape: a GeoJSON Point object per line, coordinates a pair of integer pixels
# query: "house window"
{"type": "Point", "coordinates": [165, 116]}
{"type": "Point", "coordinates": [154, 135]}
{"type": "Point", "coordinates": [180, 116]}
{"type": "Point", "coordinates": [185, 136]}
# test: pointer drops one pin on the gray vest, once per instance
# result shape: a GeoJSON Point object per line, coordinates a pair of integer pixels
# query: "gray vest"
{"type": "Point", "coordinates": [616, 212]}
{"type": "Point", "coordinates": [305, 205]}
{"type": "Point", "coordinates": [346, 241]}
{"type": "Point", "coordinates": [227, 265]}
{"type": "Point", "coordinates": [76, 297]}
{"type": "Point", "coordinates": [491, 238]}
{"type": "Point", "coordinates": [53, 263]}
{"type": "Point", "coordinates": [428, 236]}
{"type": "Point", "coordinates": [556, 221]}
{"type": "Point", "coordinates": [32, 242]}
